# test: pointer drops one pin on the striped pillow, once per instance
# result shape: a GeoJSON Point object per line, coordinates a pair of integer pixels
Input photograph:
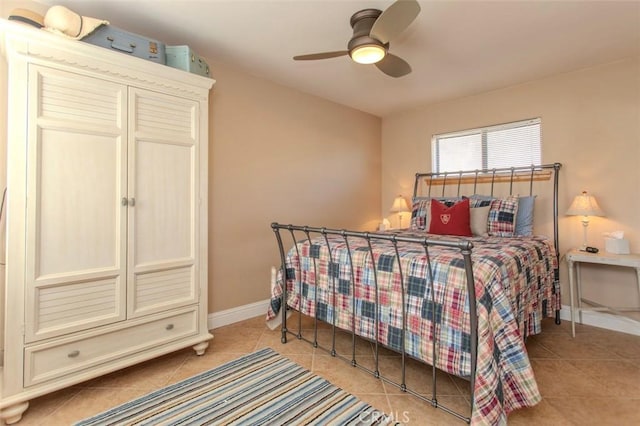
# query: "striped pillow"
{"type": "Point", "coordinates": [421, 215]}
{"type": "Point", "coordinates": [502, 217]}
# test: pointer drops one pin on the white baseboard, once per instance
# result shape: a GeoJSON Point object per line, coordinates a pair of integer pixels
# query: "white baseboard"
{"type": "Point", "coordinates": [241, 313]}
{"type": "Point", "coordinates": [603, 320]}
{"type": "Point", "coordinates": [595, 319]}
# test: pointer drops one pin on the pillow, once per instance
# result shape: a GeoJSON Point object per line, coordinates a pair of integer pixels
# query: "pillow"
{"type": "Point", "coordinates": [421, 211]}
{"type": "Point", "coordinates": [420, 215]}
{"type": "Point", "coordinates": [524, 217]}
{"type": "Point", "coordinates": [502, 217]}
{"type": "Point", "coordinates": [448, 201]}
{"type": "Point", "coordinates": [454, 220]}
{"type": "Point", "coordinates": [480, 200]}
{"type": "Point", "coordinates": [479, 217]}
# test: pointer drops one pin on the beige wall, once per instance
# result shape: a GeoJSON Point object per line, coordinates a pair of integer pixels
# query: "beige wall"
{"type": "Point", "coordinates": [280, 155]}
{"type": "Point", "coordinates": [590, 124]}
{"type": "Point", "coordinates": [276, 155]}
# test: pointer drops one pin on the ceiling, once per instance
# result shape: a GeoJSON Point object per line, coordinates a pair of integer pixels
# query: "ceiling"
{"type": "Point", "coordinates": [456, 48]}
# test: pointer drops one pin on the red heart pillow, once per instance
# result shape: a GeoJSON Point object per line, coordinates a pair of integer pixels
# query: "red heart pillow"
{"type": "Point", "coordinates": [454, 220]}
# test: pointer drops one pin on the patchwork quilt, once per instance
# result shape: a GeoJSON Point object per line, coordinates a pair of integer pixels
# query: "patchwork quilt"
{"type": "Point", "coordinates": [515, 288]}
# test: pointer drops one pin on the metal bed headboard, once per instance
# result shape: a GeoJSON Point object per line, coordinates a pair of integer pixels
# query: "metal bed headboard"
{"type": "Point", "coordinates": [493, 176]}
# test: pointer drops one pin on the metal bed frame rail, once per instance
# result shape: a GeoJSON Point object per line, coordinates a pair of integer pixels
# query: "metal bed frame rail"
{"type": "Point", "coordinates": [309, 233]}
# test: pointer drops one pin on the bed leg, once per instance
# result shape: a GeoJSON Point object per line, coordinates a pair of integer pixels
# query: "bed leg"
{"type": "Point", "coordinates": [558, 316]}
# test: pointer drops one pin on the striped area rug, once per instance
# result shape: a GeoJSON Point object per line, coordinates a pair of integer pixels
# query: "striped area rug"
{"type": "Point", "coordinates": [262, 388]}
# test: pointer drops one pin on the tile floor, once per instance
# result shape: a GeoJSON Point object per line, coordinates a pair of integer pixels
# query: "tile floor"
{"type": "Point", "coordinates": [593, 379]}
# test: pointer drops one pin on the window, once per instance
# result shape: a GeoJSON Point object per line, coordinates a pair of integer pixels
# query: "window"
{"type": "Point", "coordinates": [505, 145]}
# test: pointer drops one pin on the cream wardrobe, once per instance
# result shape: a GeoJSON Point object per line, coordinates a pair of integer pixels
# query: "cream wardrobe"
{"type": "Point", "coordinates": [106, 213]}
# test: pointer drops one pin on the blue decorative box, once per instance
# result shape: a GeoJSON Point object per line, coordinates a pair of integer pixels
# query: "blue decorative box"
{"type": "Point", "coordinates": [182, 57]}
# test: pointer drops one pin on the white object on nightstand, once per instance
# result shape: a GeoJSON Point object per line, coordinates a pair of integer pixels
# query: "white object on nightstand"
{"type": "Point", "coordinates": [384, 225]}
{"type": "Point", "coordinates": [575, 257]}
{"type": "Point", "coordinates": [616, 245]}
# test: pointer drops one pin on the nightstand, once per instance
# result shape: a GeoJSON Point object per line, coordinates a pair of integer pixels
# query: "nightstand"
{"type": "Point", "coordinates": [575, 258]}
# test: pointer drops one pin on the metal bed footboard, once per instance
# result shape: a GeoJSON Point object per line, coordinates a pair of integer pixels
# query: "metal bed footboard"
{"type": "Point", "coordinates": [465, 247]}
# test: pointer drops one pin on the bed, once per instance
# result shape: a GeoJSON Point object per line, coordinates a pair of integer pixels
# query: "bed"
{"type": "Point", "coordinates": [462, 302]}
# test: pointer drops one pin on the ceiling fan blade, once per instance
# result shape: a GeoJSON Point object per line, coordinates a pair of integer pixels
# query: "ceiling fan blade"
{"type": "Point", "coordinates": [394, 66]}
{"type": "Point", "coordinates": [324, 55]}
{"type": "Point", "coordinates": [394, 20]}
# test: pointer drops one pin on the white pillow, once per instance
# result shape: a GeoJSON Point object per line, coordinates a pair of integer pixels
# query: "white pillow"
{"type": "Point", "coordinates": [479, 218]}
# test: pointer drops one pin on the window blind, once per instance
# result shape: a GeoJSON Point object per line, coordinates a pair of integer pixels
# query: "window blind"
{"type": "Point", "coordinates": [505, 145]}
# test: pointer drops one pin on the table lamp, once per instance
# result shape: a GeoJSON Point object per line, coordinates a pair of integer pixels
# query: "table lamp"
{"type": "Point", "coordinates": [584, 205]}
{"type": "Point", "coordinates": [399, 206]}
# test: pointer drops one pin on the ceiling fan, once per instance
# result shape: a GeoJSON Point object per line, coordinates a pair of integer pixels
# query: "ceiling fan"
{"type": "Point", "coordinates": [372, 30]}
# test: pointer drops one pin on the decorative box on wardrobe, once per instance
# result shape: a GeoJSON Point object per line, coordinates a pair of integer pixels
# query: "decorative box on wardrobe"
{"type": "Point", "coordinates": [122, 41]}
{"type": "Point", "coordinates": [106, 231]}
{"type": "Point", "coordinates": [184, 58]}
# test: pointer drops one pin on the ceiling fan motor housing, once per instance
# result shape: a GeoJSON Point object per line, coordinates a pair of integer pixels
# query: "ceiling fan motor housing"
{"type": "Point", "coordinates": [361, 22]}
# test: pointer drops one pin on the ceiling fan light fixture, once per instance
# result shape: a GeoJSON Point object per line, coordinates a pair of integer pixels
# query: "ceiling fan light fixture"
{"type": "Point", "coordinates": [368, 53]}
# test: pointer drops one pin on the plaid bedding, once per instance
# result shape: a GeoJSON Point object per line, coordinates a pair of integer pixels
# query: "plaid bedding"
{"type": "Point", "coordinates": [515, 288]}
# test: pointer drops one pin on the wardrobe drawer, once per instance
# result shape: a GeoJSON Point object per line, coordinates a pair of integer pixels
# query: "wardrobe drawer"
{"type": "Point", "coordinates": [58, 358]}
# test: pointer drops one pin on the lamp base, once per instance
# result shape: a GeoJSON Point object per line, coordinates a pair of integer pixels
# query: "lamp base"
{"type": "Point", "coordinates": [585, 225]}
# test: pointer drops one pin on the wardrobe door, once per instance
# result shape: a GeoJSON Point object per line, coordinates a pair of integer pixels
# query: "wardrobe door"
{"type": "Point", "coordinates": [163, 177]}
{"type": "Point", "coordinates": [76, 224]}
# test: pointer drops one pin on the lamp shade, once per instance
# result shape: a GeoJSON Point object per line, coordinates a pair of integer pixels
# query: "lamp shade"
{"type": "Point", "coordinates": [399, 205]}
{"type": "Point", "coordinates": [584, 205]}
